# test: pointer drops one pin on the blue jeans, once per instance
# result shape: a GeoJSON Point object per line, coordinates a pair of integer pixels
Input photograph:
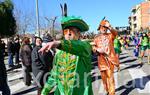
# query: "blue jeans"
{"type": "Point", "coordinates": [10, 59]}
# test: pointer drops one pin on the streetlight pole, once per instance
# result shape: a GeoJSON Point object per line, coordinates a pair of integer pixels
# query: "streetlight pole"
{"type": "Point", "coordinates": [37, 18]}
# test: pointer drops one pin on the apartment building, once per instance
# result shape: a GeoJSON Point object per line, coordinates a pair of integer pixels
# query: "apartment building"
{"type": "Point", "coordinates": [140, 17]}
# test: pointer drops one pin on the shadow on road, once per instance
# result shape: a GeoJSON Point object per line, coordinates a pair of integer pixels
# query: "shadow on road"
{"type": "Point", "coordinates": [26, 91]}
{"type": "Point", "coordinates": [128, 61]}
{"type": "Point", "coordinates": [132, 66]}
{"type": "Point", "coordinates": [21, 78]}
{"type": "Point", "coordinates": [15, 67]}
{"type": "Point", "coordinates": [95, 77]}
{"type": "Point", "coordinates": [123, 57]}
{"type": "Point", "coordinates": [123, 53]}
{"type": "Point", "coordinates": [138, 83]}
{"type": "Point", "coordinates": [30, 90]}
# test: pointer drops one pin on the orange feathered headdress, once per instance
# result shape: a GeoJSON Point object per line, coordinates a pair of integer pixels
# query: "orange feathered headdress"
{"type": "Point", "coordinates": [102, 23]}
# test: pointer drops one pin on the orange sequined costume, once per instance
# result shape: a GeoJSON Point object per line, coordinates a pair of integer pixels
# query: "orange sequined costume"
{"type": "Point", "coordinates": [107, 60]}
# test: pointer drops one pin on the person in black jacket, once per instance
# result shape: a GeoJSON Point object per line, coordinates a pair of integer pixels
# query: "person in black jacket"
{"type": "Point", "coordinates": [41, 64]}
{"type": "Point", "coordinates": [4, 88]}
{"type": "Point", "coordinates": [17, 49]}
{"type": "Point", "coordinates": [3, 47]}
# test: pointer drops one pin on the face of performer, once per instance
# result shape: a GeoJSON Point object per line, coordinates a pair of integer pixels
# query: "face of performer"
{"type": "Point", "coordinates": [103, 29]}
{"type": "Point", "coordinates": [71, 33]}
{"type": "Point", "coordinates": [104, 26]}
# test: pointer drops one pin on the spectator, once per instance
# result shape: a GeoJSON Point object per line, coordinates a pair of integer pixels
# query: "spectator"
{"type": "Point", "coordinates": [17, 49]}
{"type": "Point", "coordinates": [3, 47]}
{"type": "Point", "coordinates": [10, 49]}
{"type": "Point", "coordinates": [41, 64]}
{"type": "Point", "coordinates": [3, 75]}
{"type": "Point", "coordinates": [25, 55]}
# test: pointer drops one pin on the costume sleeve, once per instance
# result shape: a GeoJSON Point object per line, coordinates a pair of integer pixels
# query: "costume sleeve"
{"type": "Point", "coordinates": [113, 34]}
{"type": "Point", "coordinates": [51, 82]}
{"type": "Point", "coordinates": [76, 47]}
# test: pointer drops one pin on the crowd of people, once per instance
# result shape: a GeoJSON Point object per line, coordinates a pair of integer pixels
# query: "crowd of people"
{"type": "Point", "coordinates": [25, 52]}
{"type": "Point", "coordinates": [140, 41]}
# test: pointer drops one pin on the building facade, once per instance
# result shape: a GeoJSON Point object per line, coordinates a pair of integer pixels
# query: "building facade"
{"type": "Point", "coordinates": [140, 17]}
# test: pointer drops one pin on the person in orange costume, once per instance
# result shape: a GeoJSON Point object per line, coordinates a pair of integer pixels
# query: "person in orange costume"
{"type": "Point", "coordinates": [107, 60]}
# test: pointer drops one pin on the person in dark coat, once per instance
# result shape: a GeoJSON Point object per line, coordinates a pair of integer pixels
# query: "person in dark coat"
{"type": "Point", "coordinates": [3, 46]}
{"type": "Point", "coordinates": [25, 55]}
{"type": "Point", "coordinates": [41, 64]}
{"type": "Point", "coordinates": [17, 49]}
{"type": "Point", "coordinates": [10, 49]}
{"type": "Point", "coordinates": [4, 88]}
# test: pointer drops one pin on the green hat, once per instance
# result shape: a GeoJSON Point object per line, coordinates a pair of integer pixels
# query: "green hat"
{"type": "Point", "coordinates": [74, 22]}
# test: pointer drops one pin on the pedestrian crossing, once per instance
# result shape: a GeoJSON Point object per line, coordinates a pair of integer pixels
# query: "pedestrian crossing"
{"type": "Point", "coordinates": [131, 80]}
{"type": "Point", "coordinates": [141, 77]}
{"type": "Point", "coordinates": [16, 84]}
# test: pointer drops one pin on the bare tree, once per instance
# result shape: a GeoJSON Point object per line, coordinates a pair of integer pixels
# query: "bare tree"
{"type": "Point", "coordinates": [52, 25]}
{"type": "Point", "coordinates": [25, 21]}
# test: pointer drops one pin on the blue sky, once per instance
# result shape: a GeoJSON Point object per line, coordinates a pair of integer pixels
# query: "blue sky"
{"type": "Point", "coordinates": [92, 11]}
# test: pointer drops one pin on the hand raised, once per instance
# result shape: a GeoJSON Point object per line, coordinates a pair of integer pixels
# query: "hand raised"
{"type": "Point", "coordinates": [48, 46]}
{"type": "Point", "coordinates": [107, 24]}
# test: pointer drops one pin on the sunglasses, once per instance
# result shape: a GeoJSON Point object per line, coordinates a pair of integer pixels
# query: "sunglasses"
{"type": "Point", "coordinates": [68, 31]}
{"type": "Point", "coordinates": [103, 26]}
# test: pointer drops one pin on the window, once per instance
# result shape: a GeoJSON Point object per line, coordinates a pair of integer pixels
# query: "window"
{"type": "Point", "coordinates": [135, 25]}
{"type": "Point", "coordinates": [134, 18]}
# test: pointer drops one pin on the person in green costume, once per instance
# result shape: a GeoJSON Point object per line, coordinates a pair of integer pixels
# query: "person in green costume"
{"type": "Point", "coordinates": [117, 46]}
{"type": "Point", "coordinates": [72, 62]}
{"type": "Point", "coordinates": [144, 46]}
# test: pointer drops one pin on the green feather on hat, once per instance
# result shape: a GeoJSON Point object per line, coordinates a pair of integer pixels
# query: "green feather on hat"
{"type": "Point", "coordinates": [72, 21]}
